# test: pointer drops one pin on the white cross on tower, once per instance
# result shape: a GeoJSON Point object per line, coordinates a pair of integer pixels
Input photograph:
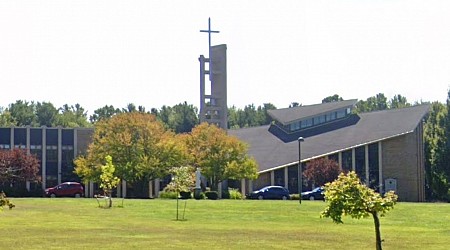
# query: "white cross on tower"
{"type": "Point", "coordinates": [209, 31]}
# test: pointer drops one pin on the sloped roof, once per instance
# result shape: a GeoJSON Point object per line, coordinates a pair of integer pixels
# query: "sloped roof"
{"type": "Point", "coordinates": [288, 115]}
{"type": "Point", "coordinates": [270, 151]}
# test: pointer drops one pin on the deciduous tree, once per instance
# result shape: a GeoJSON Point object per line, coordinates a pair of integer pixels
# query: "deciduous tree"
{"type": "Point", "coordinates": [333, 98]}
{"type": "Point", "coordinates": [104, 113]}
{"type": "Point", "coordinates": [23, 113]}
{"type": "Point", "coordinates": [17, 166]}
{"type": "Point", "coordinates": [219, 156]}
{"type": "Point", "coordinates": [108, 179]}
{"type": "Point", "coordinates": [321, 170]}
{"type": "Point", "coordinates": [347, 196]}
{"type": "Point", "coordinates": [140, 145]}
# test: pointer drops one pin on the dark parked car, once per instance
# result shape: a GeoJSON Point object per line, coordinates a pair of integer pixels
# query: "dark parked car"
{"type": "Point", "coordinates": [315, 194]}
{"type": "Point", "coordinates": [270, 192]}
{"type": "Point", "coordinates": [73, 189]}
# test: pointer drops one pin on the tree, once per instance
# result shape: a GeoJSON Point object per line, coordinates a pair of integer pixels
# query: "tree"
{"type": "Point", "coordinates": [294, 104]}
{"type": "Point", "coordinates": [46, 114]}
{"type": "Point", "coordinates": [398, 101]}
{"type": "Point", "coordinates": [104, 113]}
{"type": "Point", "coordinates": [23, 113]}
{"type": "Point", "coordinates": [434, 144]}
{"type": "Point", "coordinates": [249, 116]}
{"type": "Point", "coordinates": [321, 170]}
{"type": "Point", "coordinates": [333, 98]}
{"type": "Point", "coordinates": [4, 201]}
{"type": "Point", "coordinates": [348, 196]}
{"type": "Point", "coordinates": [72, 116]}
{"type": "Point", "coordinates": [17, 166]}
{"type": "Point", "coordinates": [377, 102]}
{"type": "Point", "coordinates": [140, 145]}
{"type": "Point", "coordinates": [219, 156]}
{"type": "Point", "coordinates": [6, 119]}
{"type": "Point", "coordinates": [108, 181]}
{"type": "Point", "coordinates": [182, 118]}
{"type": "Point", "coordinates": [183, 179]}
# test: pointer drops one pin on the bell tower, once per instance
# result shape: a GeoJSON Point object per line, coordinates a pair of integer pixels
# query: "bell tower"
{"type": "Point", "coordinates": [213, 93]}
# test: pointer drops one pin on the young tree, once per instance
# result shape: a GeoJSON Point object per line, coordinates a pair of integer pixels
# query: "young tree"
{"type": "Point", "coordinates": [108, 180]}
{"type": "Point", "coordinates": [348, 196]}
{"type": "Point", "coordinates": [17, 166]}
{"type": "Point", "coordinates": [183, 179]}
{"type": "Point", "coordinates": [4, 201]}
{"type": "Point", "coordinates": [321, 170]}
{"type": "Point", "coordinates": [219, 156]}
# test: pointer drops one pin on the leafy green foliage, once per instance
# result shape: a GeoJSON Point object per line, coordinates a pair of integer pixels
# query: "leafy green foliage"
{"type": "Point", "coordinates": [436, 138]}
{"type": "Point", "coordinates": [235, 194]}
{"type": "Point", "coordinates": [168, 194]}
{"type": "Point", "coordinates": [141, 147]}
{"type": "Point", "coordinates": [212, 195]}
{"type": "Point", "coordinates": [180, 118]}
{"type": "Point", "coordinates": [105, 112]}
{"type": "Point", "coordinates": [4, 201]}
{"type": "Point", "coordinates": [333, 98]}
{"type": "Point", "coordinates": [108, 180]}
{"type": "Point", "coordinates": [183, 179]}
{"type": "Point", "coordinates": [219, 156]}
{"type": "Point", "coordinates": [347, 196]}
{"type": "Point", "coordinates": [250, 116]}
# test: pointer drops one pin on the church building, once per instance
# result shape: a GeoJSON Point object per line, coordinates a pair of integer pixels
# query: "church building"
{"type": "Point", "coordinates": [385, 148]}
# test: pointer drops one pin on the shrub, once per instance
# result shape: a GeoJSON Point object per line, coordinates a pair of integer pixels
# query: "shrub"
{"type": "Point", "coordinates": [225, 194]}
{"type": "Point", "coordinates": [168, 195]}
{"type": "Point", "coordinates": [212, 195]}
{"type": "Point", "coordinates": [185, 195]}
{"type": "Point", "coordinates": [201, 196]}
{"type": "Point", "coordinates": [235, 194]}
{"type": "Point", "coordinates": [295, 197]}
{"type": "Point", "coordinates": [5, 201]}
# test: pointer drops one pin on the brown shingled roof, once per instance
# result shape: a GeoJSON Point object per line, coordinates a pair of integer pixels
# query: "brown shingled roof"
{"type": "Point", "coordinates": [272, 152]}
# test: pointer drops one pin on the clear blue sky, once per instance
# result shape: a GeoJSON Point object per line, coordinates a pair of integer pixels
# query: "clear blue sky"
{"type": "Point", "coordinates": [146, 52]}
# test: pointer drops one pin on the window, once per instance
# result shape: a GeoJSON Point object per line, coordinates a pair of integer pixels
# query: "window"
{"type": "Point", "coordinates": [374, 174]}
{"type": "Point", "coordinates": [347, 160]}
{"type": "Point", "coordinates": [294, 126]}
{"type": "Point", "coordinates": [340, 114]}
{"type": "Point", "coordinates": [306, 123]}
{"type": "Point", "coordinates": [360, 161]}
{"type": "Point", "coordinates": [319, 119]}
{"type": "Point", "coordinates": [331, 116]}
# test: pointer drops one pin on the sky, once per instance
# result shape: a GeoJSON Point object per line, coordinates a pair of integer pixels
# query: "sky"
{"type": "Point", "coordinates": [146, 52]}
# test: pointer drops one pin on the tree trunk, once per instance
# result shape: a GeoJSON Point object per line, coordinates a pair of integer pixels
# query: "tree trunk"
{"type": "Point", "coordinates": [376, 220]}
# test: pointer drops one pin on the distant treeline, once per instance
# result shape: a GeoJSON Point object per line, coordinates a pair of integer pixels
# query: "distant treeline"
{"type": "Point", "coordinates": [183, 117]}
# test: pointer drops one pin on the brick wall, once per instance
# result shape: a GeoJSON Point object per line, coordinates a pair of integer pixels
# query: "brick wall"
{"type": "Point", "coordinates": [403, 161]}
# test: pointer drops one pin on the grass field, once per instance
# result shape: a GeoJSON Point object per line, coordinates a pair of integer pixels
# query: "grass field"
{"type": "Point", "coordinates": [66, 223]}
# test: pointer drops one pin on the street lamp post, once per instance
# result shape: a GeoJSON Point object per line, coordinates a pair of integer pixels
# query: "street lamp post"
{"type": "Point", "coordinates": [300, 172]}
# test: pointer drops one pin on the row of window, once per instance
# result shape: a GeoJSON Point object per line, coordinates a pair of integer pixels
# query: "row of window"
{"type": "Point", "coordinates": [360, 168]}
{"type": "Point", "coordinates": [318, 119]}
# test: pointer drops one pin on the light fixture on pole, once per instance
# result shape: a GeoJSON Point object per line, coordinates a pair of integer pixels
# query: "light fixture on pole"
{"type": "Point", "coordinates": [300, 171]}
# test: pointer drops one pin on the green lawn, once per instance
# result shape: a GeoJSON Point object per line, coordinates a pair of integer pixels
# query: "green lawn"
{"type": "Point", "coordinates": [69, 223]}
